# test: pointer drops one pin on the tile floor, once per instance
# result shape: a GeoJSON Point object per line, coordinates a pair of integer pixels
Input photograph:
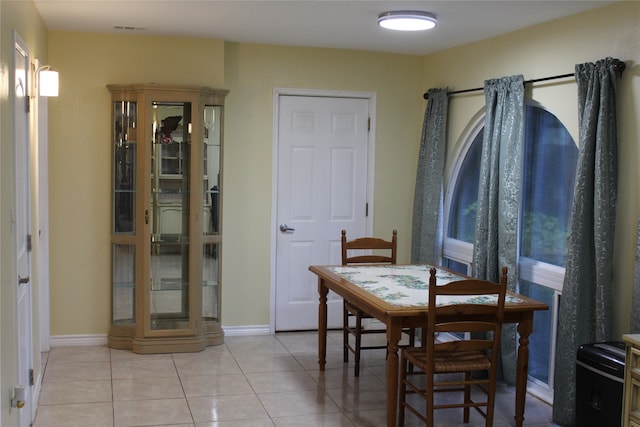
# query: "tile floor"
{"type": "Point", "coordinates": [249, 381]}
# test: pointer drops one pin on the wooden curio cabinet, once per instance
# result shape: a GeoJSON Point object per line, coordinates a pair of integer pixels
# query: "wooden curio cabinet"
{"type": "Point", "coordinates": [166, 221]}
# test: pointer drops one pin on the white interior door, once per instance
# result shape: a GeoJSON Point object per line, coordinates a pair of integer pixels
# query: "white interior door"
{"type": "Point", "coordinates": [22, 229]}
{"type": "Point", "coordinates": [321, 189]}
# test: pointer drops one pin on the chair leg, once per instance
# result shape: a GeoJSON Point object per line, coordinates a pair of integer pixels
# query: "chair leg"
{"type": "Point", "coordinates": [403, 390]}
{"type": "Point", "coordinates": [412, 342]}
{"type": "Point", "coordinates": [345, 332]}
{"type": "Point", "coordinates": [467, 396]}
{"type": "Point", "coordinates": [429, 398]}
{"type": "Point", "coordinates": [358, 343]}
{"type": "Point", "coordinates": [491, 400]}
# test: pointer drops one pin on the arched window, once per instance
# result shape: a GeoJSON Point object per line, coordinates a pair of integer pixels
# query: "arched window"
{"type": "Point", "coordinates": [462, 215]}
{"type": "Point", "coordinates": [549, 164]}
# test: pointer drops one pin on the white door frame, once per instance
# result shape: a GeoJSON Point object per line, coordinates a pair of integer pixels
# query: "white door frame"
{"type": "Point", "coordinates": [277, 93]}
{"type": "Point", "coordinates": [42, 228]}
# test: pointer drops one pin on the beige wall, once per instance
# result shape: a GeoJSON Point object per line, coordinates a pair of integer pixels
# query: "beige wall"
{"type": "Point", "coordinates": [251, 73]}
{"type": "Point", "coordinates": [80, 156]}
{"type": "Point", "coordinates": [551, 49]}
{"type": "Point", "coordinates": [22, 18]}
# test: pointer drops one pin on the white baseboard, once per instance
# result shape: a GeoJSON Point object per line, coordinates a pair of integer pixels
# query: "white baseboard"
{"type": "Point", "coordinates": [101, 339]}
{"type": "Point", "coordinates": [78, 340]}
{"type": "Point", "coordinates": [237, 331]}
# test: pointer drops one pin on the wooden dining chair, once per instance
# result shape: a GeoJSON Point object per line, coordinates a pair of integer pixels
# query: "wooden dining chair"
{"type": "Point", "coordinates": [364, 250]}
{"type": "Point", "coordinates": [463, 338]}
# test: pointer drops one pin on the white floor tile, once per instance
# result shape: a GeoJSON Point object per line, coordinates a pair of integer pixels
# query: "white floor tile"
{"type": "Point", "coordinates": [249, 381]}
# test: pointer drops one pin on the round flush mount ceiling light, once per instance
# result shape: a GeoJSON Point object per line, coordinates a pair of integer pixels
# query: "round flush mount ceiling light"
{"type": "Point", "coordinates": [407, 20]}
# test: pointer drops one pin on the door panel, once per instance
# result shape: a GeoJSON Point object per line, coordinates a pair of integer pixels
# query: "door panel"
{"type": "Point", "coordinates": [343, 181]}
{"type": "Point", "coordinates": [321, 189]}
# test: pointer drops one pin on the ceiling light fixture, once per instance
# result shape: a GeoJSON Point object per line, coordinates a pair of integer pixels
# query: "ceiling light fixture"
{"type": "Point", "coordinates": [407, 20]}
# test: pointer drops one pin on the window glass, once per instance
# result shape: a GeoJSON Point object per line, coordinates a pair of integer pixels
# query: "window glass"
{"type": "Point", "coordinates": [548, 176]}
{"type": "Point", "coordinates": [454, 265]}
{"type": "Point", "coordinates": [462, 216]}
{"type": "Point", "coordinates": [540, 341]}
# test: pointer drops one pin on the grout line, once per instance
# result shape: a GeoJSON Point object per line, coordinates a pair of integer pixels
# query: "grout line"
{"type": "Point", "coordinates": [113, 400]}
{"type": "Point", "coordinates": [184, 393]}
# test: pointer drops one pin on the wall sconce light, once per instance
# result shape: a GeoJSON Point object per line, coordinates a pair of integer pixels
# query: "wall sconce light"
{"type": "Point", "coordinates": [47, 81]}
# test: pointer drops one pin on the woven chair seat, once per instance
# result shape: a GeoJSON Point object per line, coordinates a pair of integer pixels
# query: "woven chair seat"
{"type": "Point", "coordinates": [450, 362]}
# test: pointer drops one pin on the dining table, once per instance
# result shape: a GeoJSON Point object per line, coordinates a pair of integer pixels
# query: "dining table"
{"type": "Point", "coordinates": [397, 296]}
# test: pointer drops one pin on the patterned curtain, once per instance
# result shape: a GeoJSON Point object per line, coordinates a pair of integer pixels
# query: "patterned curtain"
{"type": "Point", "coordinates": [496, 243]}
{"type": "Point", "coordinates": [426, 235]}
{"type": "Point", "coordinates": [585, 307]}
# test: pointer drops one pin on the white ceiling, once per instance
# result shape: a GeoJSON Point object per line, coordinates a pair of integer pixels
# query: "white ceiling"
{"type": "Point", "coordinates": [315, 23]}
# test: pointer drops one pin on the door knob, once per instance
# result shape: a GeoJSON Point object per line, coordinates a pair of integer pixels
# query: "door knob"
{"type": "Point", "coordinates": [284, 228]}
{"type": "Point", "coordinates": [18, 398]}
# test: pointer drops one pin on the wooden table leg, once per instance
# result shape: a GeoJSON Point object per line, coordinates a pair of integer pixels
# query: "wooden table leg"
{"type": "Point", "coordinates": [322, 324]}
{"type": "Point", "coordinates": [394, 332]}
{"type": "Point", "coordinates": [525, 326]}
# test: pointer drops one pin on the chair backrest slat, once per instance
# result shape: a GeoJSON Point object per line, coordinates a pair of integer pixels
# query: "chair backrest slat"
{"type": "Point", "coordinates": [369, 243]}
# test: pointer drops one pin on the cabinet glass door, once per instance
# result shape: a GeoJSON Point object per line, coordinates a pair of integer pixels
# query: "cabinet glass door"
{"type": "Point", "coordinates": [211, 203]}
{"type": "Point", "coordinates": [169, 215]}
{"type": "Point", "coordinates": [123, 219]}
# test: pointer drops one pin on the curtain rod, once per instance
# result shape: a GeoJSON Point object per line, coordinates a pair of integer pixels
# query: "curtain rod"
{"type": "Point", "coordinates": [619, 65]}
